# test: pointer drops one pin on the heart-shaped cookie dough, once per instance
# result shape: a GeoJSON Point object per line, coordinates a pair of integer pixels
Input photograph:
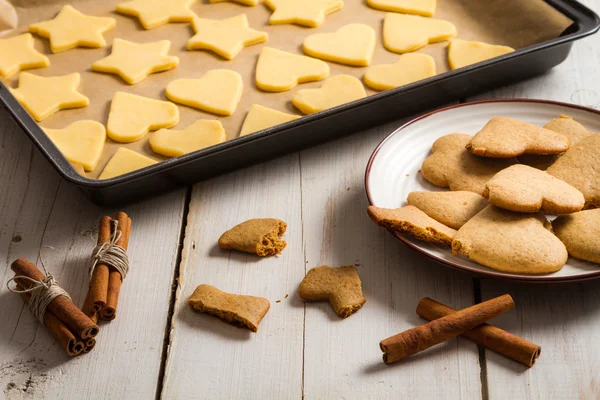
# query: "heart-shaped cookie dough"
{"type": "Point", "coordinates": [462, 53]}
{"type": "Point", "coordinates": [81, 142]}
{"type": "Point", "coordinates": [405, 33]}
{"type": "Point", "coordinates": [352, 44]}
{"type": "Point", "coordinates": [131, 116]}
{"type": "Point", "coordinates": [218, 91]}
{"type": "Point", "coordinates": [125, 161]}
{"type": "Point", "coordinates": [504, 137]}
{"type": "Point", "coordinates": [579, 167]}
{"type": "Point", "coordinates": [425, 8]}
{"type": "Point", "coordinates": [522, 188]}
{"type": "Point", "coordinates": [198, 135]}
{"type": "Point", "coordinates": [408, 69]}
{"type": "Point", "coordinates": [335, 91]}
{"type": "Point", "coordinates": [279, 71]}
{"type": "Point", "coordinates": [451, 165]}
{"type": "Point", "coordinates": [510, 242]}
{"type": "Point", "coordinates": [260, 118]}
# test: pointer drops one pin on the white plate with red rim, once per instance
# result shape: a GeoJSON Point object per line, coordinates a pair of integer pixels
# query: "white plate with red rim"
{"type": "Point", "coordinates": [393, 169]}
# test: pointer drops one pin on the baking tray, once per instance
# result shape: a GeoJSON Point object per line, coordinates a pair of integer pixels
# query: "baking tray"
{"type": "Point", "coordinates": [317, 128]}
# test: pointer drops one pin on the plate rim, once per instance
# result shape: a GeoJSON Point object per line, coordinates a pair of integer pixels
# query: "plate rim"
{"type": "Point", "coordinates": [457, 265]}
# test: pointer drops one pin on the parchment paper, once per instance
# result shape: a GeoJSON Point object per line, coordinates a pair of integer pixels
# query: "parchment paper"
{"type": "Point", "coordinates": [516, 23]}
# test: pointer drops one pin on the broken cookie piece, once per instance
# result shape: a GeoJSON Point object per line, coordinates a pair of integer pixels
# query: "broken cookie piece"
{"type": "Point", "coordinates": [261, 236]}
{"type": "Point", "coordinates": [340, 286]}
{"type": "Point", "coordinates": [235, 309]}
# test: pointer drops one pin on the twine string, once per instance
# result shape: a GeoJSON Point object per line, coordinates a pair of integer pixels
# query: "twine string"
{"type": "Point", "coordinates": [110, 253]}
{"type": "Point", "coordinates": [43, 291]}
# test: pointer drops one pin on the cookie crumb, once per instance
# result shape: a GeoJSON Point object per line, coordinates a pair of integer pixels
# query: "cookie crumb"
{"type": "Point", "coordinates": [286, 296]}
{"type": "Point", "coordinates": [277, 301]}
{"type": "Point", "coordinates": [407, 174]}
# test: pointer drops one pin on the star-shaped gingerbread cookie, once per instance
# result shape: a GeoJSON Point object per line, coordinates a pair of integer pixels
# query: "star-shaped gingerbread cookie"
{"type": "Point", "coordinates": [18, 53]}
{"type": "Point", "coordinates": [133, 62]}
{"type": "Point", "coordinates": [226, 37]}
{"type": "Point", "coordinates": [43, 96]}
{"type": "Point", "coordinates": [154, 13]}
{"type": "Point", "coordinates": [309, 13]}
{"type": "Point", "coordinates": [71, 28]}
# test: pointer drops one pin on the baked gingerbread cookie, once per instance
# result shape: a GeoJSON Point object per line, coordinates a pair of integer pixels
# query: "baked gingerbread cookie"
{"type": "Point", "coordinates": [504, 137]}
{"type": "Point", "coordinates": [580, 232]}
{"type": "Point", "coordinates": [340, 286]}
{"type": "Point", "coordinates": [580, 167]}
{"type": "Point", "coordinates": [261, 236]}
{"type": "Point", "coordinates": [235, 309]}
{"type": "Point", "coordinates": [451, 165]}
{"type": "Point", "coordinates": [452, 209]}
{"type": "Point", "coordinates": [510, 242]}
{"type": "Point", "coordinates": [522, 188]}
{"type": "Point", "coordinates": [409, 219]}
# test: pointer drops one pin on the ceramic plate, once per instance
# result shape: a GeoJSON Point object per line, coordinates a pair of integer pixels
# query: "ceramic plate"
{"type": "Point", "coordinates": [393, 170]}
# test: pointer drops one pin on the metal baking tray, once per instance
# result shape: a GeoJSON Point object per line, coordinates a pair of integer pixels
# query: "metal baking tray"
{"type": "Point", "coordinates": [317, 128]}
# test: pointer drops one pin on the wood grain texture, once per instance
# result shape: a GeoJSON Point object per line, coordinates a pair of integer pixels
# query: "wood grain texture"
{"type": "Point", "coordinates": [40, 210]}
{"type": "Point", "coordinates": [209, 359]}
{"type": "Point", "coordinates": [562, 318]}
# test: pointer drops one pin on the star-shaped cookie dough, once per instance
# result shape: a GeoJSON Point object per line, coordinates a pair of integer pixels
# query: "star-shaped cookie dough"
{"type": "Point", "coordinates": [18, 53]}
{"type": "Point", "coordinates": [309, 13]}
{"type": "Point", "coordinates": [226, 37]}
{"type": "Point", "coordinates": [133, 62]}
{"type": "Point", "coordinates": [251, 3]}
{"type": "Point", "coordinates": [43, 96]}
{"type": "Point", "coordinates": [154, 13]}
{"type": "Point", "coordinates": [70, 29]}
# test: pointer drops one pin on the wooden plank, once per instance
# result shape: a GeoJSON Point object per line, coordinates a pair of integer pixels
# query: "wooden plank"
{"type": "Point", "coordinates": [209, 359]}
{"type": "Point", "coordinates": [126, 361]}
{"type": "Point", "coordinates": [561, 318]}
{"type": "Point", "coordinates": [342, 357]}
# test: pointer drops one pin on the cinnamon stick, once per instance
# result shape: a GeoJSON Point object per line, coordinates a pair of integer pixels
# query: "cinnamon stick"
{"type": "Point", "coordinates": [435, 332]}
{"type": "Point", "coordinates": [109, 312]}
{"type": "Point", "coordinates": [489, 336]}
{"type": "Point", "coordinates": [61, 306]}
{"type": "Point", "coordinates": [88, 309]}
{"type": "Point", "coordinates": [99, 281]}
{"type": "Point", "coordinates": [89, 345]}
{"type": "Point", "coordinates": [59, 330]}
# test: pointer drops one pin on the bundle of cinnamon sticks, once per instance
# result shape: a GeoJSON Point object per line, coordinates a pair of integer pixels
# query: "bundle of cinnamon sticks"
{"type": "Point", "coordinates": [447, 323]}
{"type": "Point", "coordinates": [105, 283]}
{"type": "Point", "coordinates": [67, 323]}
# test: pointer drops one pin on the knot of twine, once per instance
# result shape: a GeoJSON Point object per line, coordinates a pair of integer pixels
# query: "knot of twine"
{"type": "Point", "coordinates": [110, 253]}
{"type": "Point", "coordinates": [43, 292]}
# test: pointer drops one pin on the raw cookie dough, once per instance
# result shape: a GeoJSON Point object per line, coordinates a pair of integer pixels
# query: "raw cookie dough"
{"type": "Point", "coordinates": [81, 142]}
{"type": "Point", "coordinates": [260, 118]}
{"type": "Point", "coordinates": [521, 188]}
{"type": "Point", "coordinates": [335, 91]}
{"type": "Point", "coordinates": [279, 71]}
{"type": "Point", "coordinates": [462, 53]}
{"type": "Point", "coordinates": [217, 91]}
{"type": "Point", "coordinates": [198, 135]}
{"type": "Point", "coordinates": [425, 8]}
{"type": "Point", "coordinates": [226, 37]}
{"type": "Point", "coordinates": [510, 242]}
{"type": "Point", "coordinates": [123, 162]}
{"type": "Point", "coordinates": [452, 209]}
{"type": "Point", "coordinates": [70, 29]}
{"type": "Point", "coordinates": [408, 69]}
{"type": "Point", "coordinates": [131, 116]}
{"type": "Point", "coordinates": [405, 33]}
{"type": "Point", "coordinates": [309, 13]}
{"type": "Point", "coordinates": [133, 62]}
{"type": "Point", "coordinates": [352, 44]}
{"type": "Point", "coordinates": [154, 13]}
{"type": "Point", "coordinates": [243, 2]}
{"type": "Point", "coordinates": [580, 232]}
{"type": "Point", "coordinates": [43, 96]}
{"type": "Point", "coordinates": [18, 53]}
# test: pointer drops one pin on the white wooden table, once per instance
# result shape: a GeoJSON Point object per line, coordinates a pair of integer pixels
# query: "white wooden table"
{"type": "Point", "coordinates": [158, 347]}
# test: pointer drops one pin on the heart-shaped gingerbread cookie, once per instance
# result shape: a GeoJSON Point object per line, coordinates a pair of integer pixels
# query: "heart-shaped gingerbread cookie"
{"type": "Point", "coordinates": [408, 69]}
{"type": "Point", "coordinates": [198, 135]}
{"type": "Point", "coordinates": [279, 71]}
{"type": "Point", "coordinates": [405, 33]}
{"type": "Point", "coordinates": [81, 142]}
{"type": "Point", "coordinates": [218, 91]}
{"type": "Point", "coordinates": [352, 44]}
{"type": "Point", "coordinates": [335, 91]}
{"type": "Point", "coordinates": [510, 242]}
